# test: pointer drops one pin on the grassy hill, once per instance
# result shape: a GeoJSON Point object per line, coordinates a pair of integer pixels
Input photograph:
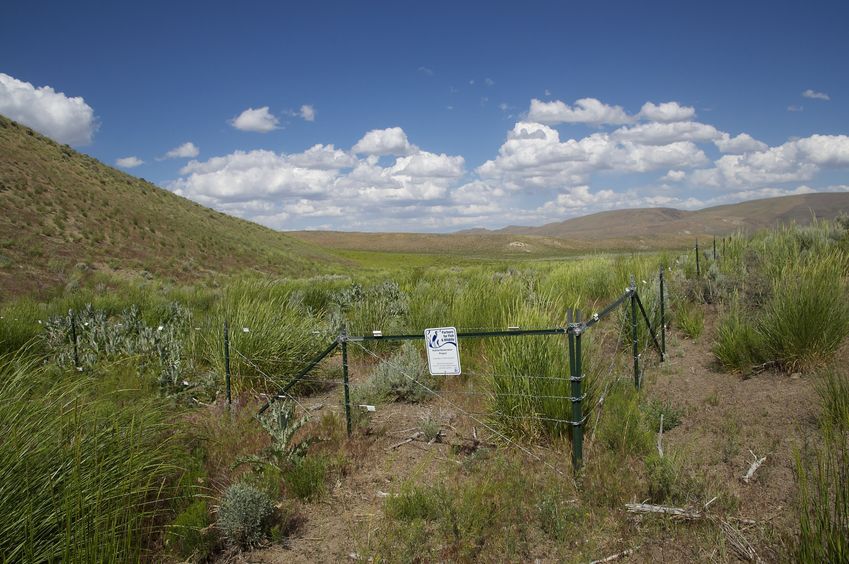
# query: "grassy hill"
{"type": "Point", "coordinates": [66, 214]}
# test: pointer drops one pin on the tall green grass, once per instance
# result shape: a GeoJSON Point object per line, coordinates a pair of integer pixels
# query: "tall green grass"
{"type": "Point", "coordinates": [824, 501]}
{"type": "Point", "coordinates": [738, 345]}
{"type": "Point", "coordinates": [833, 390]}
{"type": "Point", "coordinates": [823, 474]}
{"type": "Point", "coordinates": [808, 316]}
{"type": "Point", "coordinates": [81, 479]}
{"type": "Point", "coordinates": [272, 337]}
{"type": "Point", "coordinates": [529, 376]}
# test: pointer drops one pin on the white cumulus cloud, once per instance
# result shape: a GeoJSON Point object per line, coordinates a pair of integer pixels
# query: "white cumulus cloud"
{"type": "Point", "coordinates": [674, 176]}
{"type": "Point", "coordinates": [278, 189]}
{"type": "Point", "coordinates": [386, 183]}
{"type": "Point", "coordinates": [389, 141]}
{"type": "Point", "coordinates": [666, 112]}
{"type": "Point", "coordinates": [586, 110]}
{"type": "Point", "coordinates": [533, 156]}
{"type": "Point", "coordinates": [65, 119]}
{"type": "Point", "coordinates": [260, 120]}
{"type": "Point", "coordinates": [665, 133]}
{"type": "Point", "coordinates": [796, 160]}
{"type": "Point", "coordinates": [129, 162]}
{"type": "Point", "coordinates": [187, 150]}
{"type": "Point", "coordinates": [742, 143]}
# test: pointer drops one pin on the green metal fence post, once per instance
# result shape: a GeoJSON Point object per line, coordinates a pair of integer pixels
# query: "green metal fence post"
{"type": "Point", "coordinates": [343, 339]}
{"type": "Point", "coordinates": [74, 338]}
{"type": "Point", "coordinates": [227, 363]}
{"type": "Point", "coordinates": [577, 390]}
{"type": "Point", "coordinates": [635, 342]}
{"type": "Point", "coordinates": [662, 318]}
{"type": "Point", "coordinates": [714, 248]}
{"type": "Point", "coordinates": [698, 265]}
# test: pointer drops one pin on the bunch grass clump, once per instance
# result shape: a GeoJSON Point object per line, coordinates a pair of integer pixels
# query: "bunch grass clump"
{"type": "Point", "coordinates": [833, 390]}
{"type": "Point", "coordinates": [738, 345]}
{"type": "Point", "coordinates": [272, 336]}
{"type": "Point", "coordinates": [808, 316]}
{"type": "Point", "coordinates": [824, 499]}
{"type": "Point", "coordinates": [529, 376]}
{"type": "Point", "coordinates": [82, 478]}
{"type": "Point", "coordinates": [623, 427]}
{"type": "Point", "coordinates": [690, 319]}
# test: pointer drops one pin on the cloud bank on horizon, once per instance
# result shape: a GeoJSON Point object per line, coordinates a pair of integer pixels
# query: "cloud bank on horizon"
{"type": "Point", "coordinates": [660, 154]}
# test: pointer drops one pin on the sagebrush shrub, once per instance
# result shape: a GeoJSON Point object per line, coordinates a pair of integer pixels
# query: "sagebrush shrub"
{"type": "Point", "coordinates": [402, 377]}
{"type": "Point", "coordinates": [245, 516]}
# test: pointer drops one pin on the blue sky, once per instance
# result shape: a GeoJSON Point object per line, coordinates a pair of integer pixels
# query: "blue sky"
{"type": "Point", "coordinates": [440, 116]}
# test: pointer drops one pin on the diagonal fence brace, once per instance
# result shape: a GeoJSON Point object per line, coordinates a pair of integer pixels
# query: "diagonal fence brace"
{"type": "Point", "coordinates": [648, 324]}
{"type": "Point", "coordinates": [299, 375]}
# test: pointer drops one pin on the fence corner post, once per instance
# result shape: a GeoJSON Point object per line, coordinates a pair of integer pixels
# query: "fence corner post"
{"type": "Point", "coordinates": [227, 363]}
{"type": "Point", "coordinates": [576, 378]}
{"type": "Point", "coordinates": [634, 339]}
{"type": "Point", "coordinates": [662, 318]}
{"type": "Point", "coordinates": [343, 340]}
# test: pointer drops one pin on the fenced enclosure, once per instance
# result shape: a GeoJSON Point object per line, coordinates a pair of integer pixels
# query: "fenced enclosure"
{"type": "Point", "coordinates": [565, 394]}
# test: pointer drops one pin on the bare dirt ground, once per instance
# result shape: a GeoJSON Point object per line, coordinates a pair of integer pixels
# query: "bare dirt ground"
{"type": "Point", "coordinates": [725, 417]}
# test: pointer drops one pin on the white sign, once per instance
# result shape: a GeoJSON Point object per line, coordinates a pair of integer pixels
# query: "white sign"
{"type": "Point", "coordinates": [443, 353]}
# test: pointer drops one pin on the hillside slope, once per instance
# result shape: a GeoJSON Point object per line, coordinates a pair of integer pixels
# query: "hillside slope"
{"type": "Point", "coordinates": [64, 213]}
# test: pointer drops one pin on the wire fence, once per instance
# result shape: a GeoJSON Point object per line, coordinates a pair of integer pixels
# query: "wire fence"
{"type": "Point", "coordinates": [554, 389]}
{"type": "Point", "coordinates": [564, 402]}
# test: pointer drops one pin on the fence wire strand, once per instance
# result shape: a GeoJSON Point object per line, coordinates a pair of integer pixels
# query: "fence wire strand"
{"type": "Point", "coordinates": [270, 379]}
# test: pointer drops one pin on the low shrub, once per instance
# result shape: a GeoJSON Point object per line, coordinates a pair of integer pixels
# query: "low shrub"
{"type": "Point", "coordinates": [245, 516]}
{"type": "Point", "coordinates": [485, 517]}
{"type": "Point", "coordinates": [670, 481]}
{"type": "Point", "coordinates": [402, 377]}
{"type": "Point", "coordinates": [663, 474]}
{"type": "Point", "coordinates": [416, 502]}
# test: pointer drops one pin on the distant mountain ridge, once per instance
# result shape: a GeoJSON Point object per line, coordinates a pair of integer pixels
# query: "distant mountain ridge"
{"type": "Point", "coordinates": [649, 223]}
{"type": "Point", "coordinates": [630, 229]}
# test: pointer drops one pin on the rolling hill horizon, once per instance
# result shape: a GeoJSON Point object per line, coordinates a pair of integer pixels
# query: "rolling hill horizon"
{"type": "Point", "coordinates": [627, 229]}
